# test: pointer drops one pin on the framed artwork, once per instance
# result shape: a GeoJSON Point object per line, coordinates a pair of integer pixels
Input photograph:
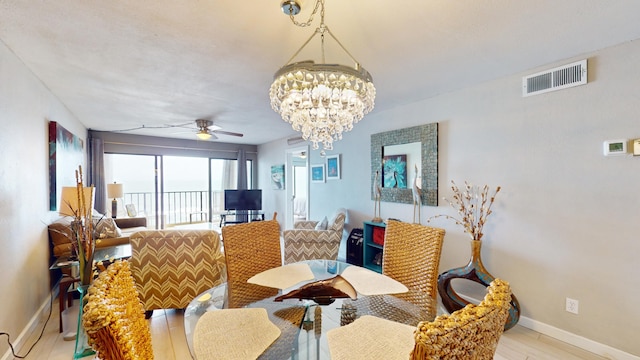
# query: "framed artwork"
{"type": "Point", "coordinates": [394, 171]}
{"type": "Point", "coordinates": [65, 155]}
{"type": "Point", "coordinates": [277, 177]}
{"type": "Point", "coordinates": [317, 173]}
{"type": "Point", "coordinates": [333, 167]}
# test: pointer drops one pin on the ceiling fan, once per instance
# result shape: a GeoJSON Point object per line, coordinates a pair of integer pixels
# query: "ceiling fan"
{"type": "Point", "coordinates": [207, 130]}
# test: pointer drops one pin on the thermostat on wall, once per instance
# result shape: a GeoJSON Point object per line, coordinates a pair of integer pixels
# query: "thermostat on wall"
{"type": "Point", "coordinates": [636, 147]}
{"type": "Point", "coordinates": [615, 147]}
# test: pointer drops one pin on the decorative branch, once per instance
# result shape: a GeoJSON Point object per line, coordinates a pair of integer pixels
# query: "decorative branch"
{"type": "Point", "coordinates": [473, 206]}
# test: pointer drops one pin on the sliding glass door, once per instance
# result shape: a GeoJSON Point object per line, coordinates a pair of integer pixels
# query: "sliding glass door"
{"type": "Point", "coordinates": [138, 176]}
{"type": "Point", "coordinates": [173, 190]}
{"type": "Point", "coordinates": [185, 194]}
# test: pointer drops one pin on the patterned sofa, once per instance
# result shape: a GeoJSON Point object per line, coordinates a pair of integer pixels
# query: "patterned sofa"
{"type": "Point", "coordinates": [112, 232]}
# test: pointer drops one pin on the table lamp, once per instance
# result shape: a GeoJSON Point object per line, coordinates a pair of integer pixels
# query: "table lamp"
{"type": "Point", "coordinates": [114, 191]}
{"type": "Point", "coordinates": [69, 201]}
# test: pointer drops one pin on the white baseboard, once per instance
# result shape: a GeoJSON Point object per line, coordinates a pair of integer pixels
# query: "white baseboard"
{"type": "Point", "coordinates": [29, 329]}
{"type": "Point", "coordinates": [597, 348]}
{"type": "Point", "coordinates": [576, 340]}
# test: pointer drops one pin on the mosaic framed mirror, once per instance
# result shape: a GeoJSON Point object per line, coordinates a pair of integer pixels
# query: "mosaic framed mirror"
{"type": "Point", "coordinates": [397, 154]}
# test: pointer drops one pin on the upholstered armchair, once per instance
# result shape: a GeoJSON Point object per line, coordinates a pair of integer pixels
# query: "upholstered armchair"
{"type": "Point", "coordinates": [171, 267]}
{"type": "Point", "coordinates": [313, 239]}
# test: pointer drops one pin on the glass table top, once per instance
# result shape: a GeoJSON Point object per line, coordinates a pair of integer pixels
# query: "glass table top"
{"type": "Point", "coordinates": [304, 323]}
{"type": "Point", "coordinates": [110, 253]}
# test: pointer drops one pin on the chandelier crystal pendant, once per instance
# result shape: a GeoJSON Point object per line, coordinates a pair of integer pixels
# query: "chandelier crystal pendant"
{"type": "Point", "coordinates": [321, 100]}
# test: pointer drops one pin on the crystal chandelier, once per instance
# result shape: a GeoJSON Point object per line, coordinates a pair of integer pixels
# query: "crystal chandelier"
{"type": "Point", "coordinates": [321, 100]}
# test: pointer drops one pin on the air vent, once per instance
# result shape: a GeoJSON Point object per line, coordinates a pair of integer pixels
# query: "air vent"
{"type": "Point", "coordinates": [562, 77]}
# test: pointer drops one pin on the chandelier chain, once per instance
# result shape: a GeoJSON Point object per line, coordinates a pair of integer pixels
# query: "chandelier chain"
{"type": "Point", "coordinates": [322, 101]}
{"type": "Point", "coordinates": [310, 20]}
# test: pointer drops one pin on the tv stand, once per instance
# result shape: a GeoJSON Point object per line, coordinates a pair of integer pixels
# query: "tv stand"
{"type": "Point", "coordinates": [240, 216]}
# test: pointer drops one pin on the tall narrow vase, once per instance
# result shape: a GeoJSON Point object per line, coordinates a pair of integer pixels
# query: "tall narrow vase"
{"type": "Point", "coordinates": [82, 339]}
{"type": "Point", "coordinates": [474, 271]}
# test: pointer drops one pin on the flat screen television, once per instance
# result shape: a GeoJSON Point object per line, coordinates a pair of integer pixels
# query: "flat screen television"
{"type": "Point", "coordinates": [243, 199]}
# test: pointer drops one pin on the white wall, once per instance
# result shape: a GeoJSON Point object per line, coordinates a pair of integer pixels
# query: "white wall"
{"type": "Point", "coordinates": [565, 223]}
{"type": "Point", "coordinates": [26, 107]}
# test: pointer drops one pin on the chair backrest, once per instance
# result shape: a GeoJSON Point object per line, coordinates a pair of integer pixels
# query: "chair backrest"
{"type": "Point", "coordinates": [472, 332]}
{"type": "Point", "coordinates": [336, 223]}
{"type": "Point", "coordinates": [249, 249]}
{"type": "Point", "coordinates": [114, 318]}
{"type": "Point", "coordinates": [171, 267]}
{"type": "Point", "coordinates": [412, 257]}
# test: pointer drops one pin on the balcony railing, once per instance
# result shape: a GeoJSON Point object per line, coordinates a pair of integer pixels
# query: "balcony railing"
{"type": "Point", "coordinates": [177, 207]}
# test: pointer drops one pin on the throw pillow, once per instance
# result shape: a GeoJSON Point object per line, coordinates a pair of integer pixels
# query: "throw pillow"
{"type": "Point", "coordinates": [106, 228]}
{"type": "Point", "coordinates": [322, 225]}
{"type": "Point", "coordinates": [60, 235]}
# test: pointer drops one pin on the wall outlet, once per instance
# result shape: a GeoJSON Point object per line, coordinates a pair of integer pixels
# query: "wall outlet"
{"type": "Point", "coordinates": [572, 306]}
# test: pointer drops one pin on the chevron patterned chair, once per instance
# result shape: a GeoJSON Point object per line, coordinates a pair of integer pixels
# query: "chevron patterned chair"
{"type": "Point", "coordinates": [306, 242]}
{"type": "Point", "coordinates": [171, 267]}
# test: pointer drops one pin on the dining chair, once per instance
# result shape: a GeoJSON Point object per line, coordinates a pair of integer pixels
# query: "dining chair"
{"type": "Point", "coordinates": [171, 267]}
{"type": "Point", "coordinates": [250, 248]}
{"type": "Point", "coordinates": [113, 316]}
{"type": "Point", "coordinates": [472, 332]}
{"type": "Point", "coordinates": [411, 256]}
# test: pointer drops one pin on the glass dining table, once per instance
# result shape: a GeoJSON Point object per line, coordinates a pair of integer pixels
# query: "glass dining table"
{"type": "Point", "coordinates": [303, 323]}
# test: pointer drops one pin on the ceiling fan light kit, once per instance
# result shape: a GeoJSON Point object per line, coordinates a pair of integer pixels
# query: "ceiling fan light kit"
{"type": "Point", "coordinates": [207, 130]}
{"type": "Point", "coordinates": [204, 135]}
{"type": "Point", "coordinates": [321, 100]}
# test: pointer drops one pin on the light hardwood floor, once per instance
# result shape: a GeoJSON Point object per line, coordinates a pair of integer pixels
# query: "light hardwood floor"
{"type": "Point", "coordinates": [167, 332]}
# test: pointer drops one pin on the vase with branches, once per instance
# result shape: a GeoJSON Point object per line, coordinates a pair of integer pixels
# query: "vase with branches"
{"type": "Point", "coordinates": [473, 206]}
{"type": "Point", "coordinates": [82, 237]}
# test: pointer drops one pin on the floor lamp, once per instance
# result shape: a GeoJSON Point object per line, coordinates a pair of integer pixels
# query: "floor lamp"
{"type": "Point", "coordinates": [114, 191]}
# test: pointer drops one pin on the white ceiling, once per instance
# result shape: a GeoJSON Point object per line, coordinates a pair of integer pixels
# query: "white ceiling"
{"type": "Point", "coordinates": [123, 64]}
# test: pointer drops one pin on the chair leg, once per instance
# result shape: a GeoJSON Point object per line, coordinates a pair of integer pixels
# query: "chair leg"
{"type": "Point", "coordinates": [63, 288]}
{"type": "Point", "coordinates": [61, 303]}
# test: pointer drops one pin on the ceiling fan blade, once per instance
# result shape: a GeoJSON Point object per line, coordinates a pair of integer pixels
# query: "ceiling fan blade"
{"type": "Point", "coordinates": [228, 133]}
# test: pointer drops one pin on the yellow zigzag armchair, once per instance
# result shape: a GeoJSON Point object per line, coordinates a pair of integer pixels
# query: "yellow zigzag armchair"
{"type": "Point", "coordinates": [171, 267]}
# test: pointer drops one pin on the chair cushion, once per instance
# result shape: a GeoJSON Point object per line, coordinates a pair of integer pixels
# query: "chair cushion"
{"type": "Point", "coordinates": [60, 235]}
{"type": "Point", "coordinates": [322, 225]}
